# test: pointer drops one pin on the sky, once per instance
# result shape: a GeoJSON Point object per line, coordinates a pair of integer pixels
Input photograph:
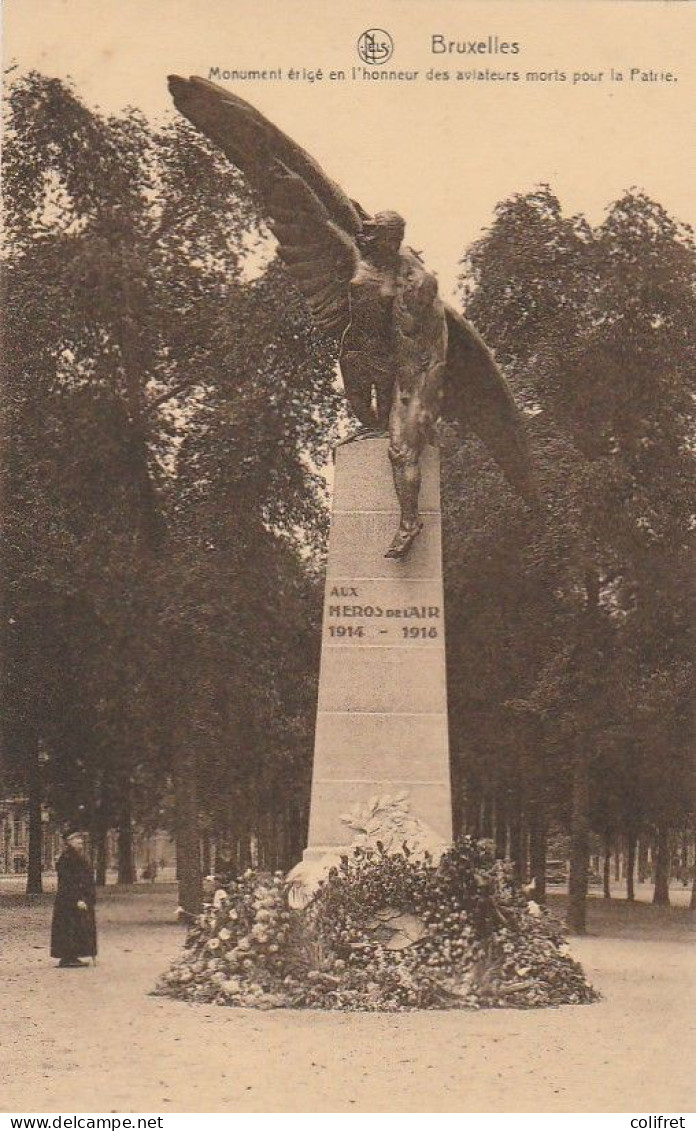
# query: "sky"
{"type": "Point", "coordinates": [441, 152]}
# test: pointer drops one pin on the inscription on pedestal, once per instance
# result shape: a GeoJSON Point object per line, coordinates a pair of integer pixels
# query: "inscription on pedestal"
{"type": "Point", "coordinates": [382, 713]}
{"type": "Point", "coordinates": [381, 611]}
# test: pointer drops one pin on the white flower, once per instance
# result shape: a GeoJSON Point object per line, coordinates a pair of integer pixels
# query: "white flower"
{"type": "Point", "coordinates": [213, 944]}
{"type": "Point", "coordinates": [533, 909]}
{"type": "Point", "coordinates": [219, 897]}
{"type": "Point", "coordinates": [264, 898]}
{"type": "Point", "coordinates": [224, 934]}
{"type": "Point", "coordinates": [233, 915]}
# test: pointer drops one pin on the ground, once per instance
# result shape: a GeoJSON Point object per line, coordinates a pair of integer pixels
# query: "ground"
{"type": "Point", "coordinates": [92, 1040]}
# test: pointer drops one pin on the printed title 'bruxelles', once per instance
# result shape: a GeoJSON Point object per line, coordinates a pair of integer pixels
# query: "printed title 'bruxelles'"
{"type": "Point", "coordinates": [491, 45]}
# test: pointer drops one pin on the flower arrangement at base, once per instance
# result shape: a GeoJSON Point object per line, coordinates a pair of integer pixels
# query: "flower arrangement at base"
{"type": "Point", "coordinates": [385, 931]}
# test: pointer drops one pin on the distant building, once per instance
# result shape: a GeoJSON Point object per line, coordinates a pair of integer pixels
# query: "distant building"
{"type": "Point", "coordinates": [153, 852]}
{"type": "Point", "coordinates": [14, 837]}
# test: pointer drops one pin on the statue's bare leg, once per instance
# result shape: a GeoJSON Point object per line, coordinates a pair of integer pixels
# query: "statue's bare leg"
{"type": "Point", "coordinates": [407, 439]}
{"type": "Point", "coordinates": [359, 388]}
{"type": "Point", "coordinates": [411, 424]}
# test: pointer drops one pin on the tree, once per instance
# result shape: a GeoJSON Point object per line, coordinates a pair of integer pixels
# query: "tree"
{"type": "Point", "coordinates": [596, 330]}
{"type": "Point", "coordinates": [164, 407]}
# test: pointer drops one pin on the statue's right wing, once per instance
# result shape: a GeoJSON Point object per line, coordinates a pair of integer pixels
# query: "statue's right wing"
{"type": "Point", "coordinates": [315, 223]}
{"type": "Point", "coordinates": [477, 394]}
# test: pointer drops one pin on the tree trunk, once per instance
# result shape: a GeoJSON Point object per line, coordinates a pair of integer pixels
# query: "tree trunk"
{"type": "Point", "coordinates": [617, 860]}
{"type": "Point", "coordinates": [296, 826]}
{"type": "Point", "coordinates": [662, 863]}
{"type": "Point", "coordinates": [533, 738]}
{"type": "Point", "coordinates": [579, 846]}
{"type": "Point", "coordinates": [630, 864]}
{"type": "Point", "coordinates": [500, 826]}
{"type": "Point", "coordinates": [457, 783]}
{"type": "Point", "coordinates": [487, 817]}
{"type": "Point", "coordinates": [473, 812]}
{"type": "Point", "coordinates": [516, 841]}
{"type": "Point", "coordinates": [273, 838]}
{"type": "Point", "coordinates": [284, 861]}
{"type": "Point", "coordinates": [537, 849]}
{"type": "Point", "coordinates": [527, 849]}
{"type": "Point", "coordinates": [279, 836]}
{"type": "Point", "coordinates": [100, 833]}
{"type": "Point", "coordinates": [272, 850]}
{"type": "Point", "coordinates": [188, 866]}
{"type": "Point", "coordinates": [642, 859]}
{"type": "Point", "coordinates": [34, 862]}
{"type": "Point", "coordinates": [206, 854]}
{"type": "Point", "coordinates": [126, 864]}
{"type": "Point", "coordinates": [606, 878]}
{"type": "Point", "coordinates": [268, 841]}
{"type": "Point", "coordinates": [244, 842]}
{"type": "Point", "coordinates": [262, 836]}
{"type": "Point", "coordinates": [100, 855]}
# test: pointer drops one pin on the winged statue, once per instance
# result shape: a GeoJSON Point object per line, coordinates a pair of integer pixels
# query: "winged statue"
{"type": "Point", "coordinates": [406, 358]}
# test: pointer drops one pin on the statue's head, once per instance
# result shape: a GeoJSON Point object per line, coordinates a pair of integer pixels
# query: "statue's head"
{"type": "Point", "coordinates": [382, 236]}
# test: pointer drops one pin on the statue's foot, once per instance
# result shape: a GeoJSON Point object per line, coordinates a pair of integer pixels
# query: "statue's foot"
{"type": "Point", "coordinates": [403, 540]}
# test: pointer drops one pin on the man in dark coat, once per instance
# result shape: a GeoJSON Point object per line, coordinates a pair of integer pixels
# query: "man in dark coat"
{"type": "Point", "coordinates": [74, 927]}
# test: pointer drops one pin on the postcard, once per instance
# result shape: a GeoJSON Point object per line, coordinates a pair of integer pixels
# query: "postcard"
{"type": "Point", "coordinates": [348, 395]}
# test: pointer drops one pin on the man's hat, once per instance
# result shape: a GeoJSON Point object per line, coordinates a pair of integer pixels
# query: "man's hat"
{"type": "Point", "coordinates": [71, 834]}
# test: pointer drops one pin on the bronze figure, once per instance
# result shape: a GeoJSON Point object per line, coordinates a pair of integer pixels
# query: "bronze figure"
{"type": "Point", "coordinates": [406, 358]}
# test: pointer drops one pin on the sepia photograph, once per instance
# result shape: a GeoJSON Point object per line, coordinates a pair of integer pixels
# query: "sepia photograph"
{"type": "Point", "coordinates": [349, 499]}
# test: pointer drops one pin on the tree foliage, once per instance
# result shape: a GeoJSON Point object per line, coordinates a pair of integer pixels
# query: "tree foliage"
{"type": "Point", "coordinates": [169, 408]}
{"type": "Point", "coordinates": [569, 636]}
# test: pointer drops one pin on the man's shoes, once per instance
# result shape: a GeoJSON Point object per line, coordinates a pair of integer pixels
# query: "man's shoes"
{"type": "Point", "coordinates": [72, 962]}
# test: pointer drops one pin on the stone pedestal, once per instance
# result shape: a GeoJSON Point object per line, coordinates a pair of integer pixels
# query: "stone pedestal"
{"type": "Point", "coordinates": [382, 711]}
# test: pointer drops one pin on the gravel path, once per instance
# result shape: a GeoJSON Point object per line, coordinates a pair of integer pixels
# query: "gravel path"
{"type": "Point", "coordinates": [92, 1040]}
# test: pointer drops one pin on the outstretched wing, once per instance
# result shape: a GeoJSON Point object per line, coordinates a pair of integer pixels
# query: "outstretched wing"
{"type": "Point", "coordinates": [311, 217]}
{"type": "Point", "coordinates": [477, 394]}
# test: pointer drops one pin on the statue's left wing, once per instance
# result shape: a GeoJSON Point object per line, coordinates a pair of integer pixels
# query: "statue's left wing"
{"type": "Point", "coordinates": [315, 223]}
{"type": "Point", "coordinates": [477, 394]}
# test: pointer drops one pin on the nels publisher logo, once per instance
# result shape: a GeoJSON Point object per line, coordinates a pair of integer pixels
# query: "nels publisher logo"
{"type": "Point", "coordinates": [375, 46]}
